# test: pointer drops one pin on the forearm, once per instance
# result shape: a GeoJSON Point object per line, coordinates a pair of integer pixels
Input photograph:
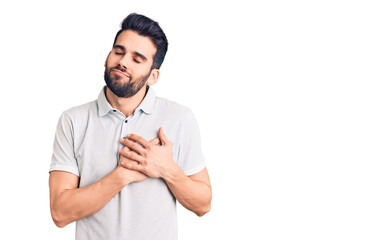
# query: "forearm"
{"type": "Point", "coordinates": [74, 204]}
{"type": "Point", "coordinates": [194, 195]}
{"type": "Point", "coordinates": [193, 192]}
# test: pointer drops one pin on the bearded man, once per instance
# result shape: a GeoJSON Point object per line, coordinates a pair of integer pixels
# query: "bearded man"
{"type": "Point", "coordinates": [120, 162]}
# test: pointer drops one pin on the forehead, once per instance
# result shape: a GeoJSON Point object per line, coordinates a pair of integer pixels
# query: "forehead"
{"type": "Point", "coordinates": [133, 42]}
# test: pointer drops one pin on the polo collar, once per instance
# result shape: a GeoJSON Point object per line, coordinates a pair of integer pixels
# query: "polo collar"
{"type": "Point", "coordinates": [104, 106]}
{"type": "Point", "coordinates": [146, 104]}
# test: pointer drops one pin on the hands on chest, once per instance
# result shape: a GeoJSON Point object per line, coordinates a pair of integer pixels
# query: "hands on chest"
{"type": "Point", "coordinates": [147, 158]}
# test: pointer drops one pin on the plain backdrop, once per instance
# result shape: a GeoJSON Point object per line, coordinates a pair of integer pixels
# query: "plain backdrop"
{"type": "Point", "coordinates": [292, 98]}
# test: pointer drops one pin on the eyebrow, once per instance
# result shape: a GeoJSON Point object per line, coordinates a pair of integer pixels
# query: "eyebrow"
{"type": "Point", "coordinates": [120, 47]}
{"type": "Point", "coordinates": [140, 55]}
{"type": "Point", "coordinates": [134, 52]}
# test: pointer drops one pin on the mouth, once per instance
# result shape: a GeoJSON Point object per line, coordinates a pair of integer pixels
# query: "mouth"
{"type": "Point", "coordinates": [118, 72]}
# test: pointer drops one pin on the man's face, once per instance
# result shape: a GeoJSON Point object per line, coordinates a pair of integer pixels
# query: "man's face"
{"type": "Point", "coordinates": [128, 66]}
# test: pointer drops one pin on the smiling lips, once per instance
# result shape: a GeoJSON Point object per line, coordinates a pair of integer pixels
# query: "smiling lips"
{"type": "Point", "coordinates": [120, 72]}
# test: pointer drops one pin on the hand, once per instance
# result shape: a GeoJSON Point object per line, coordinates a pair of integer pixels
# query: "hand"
{"type": "Point", "coordinates": [131, 175]}
{"type": "Point", "coordinates": [153, 160]}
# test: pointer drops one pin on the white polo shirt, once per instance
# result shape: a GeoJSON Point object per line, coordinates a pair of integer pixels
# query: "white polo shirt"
{"type": "Point", "coordinates": [86, 144]}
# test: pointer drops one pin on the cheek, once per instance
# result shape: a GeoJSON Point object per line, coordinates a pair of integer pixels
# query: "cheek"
{"type": "Point", "coordinates": [112, 60]}
{"type": "Point", "coordinates": [142, 70]}
{"type": "Point", "coordinates": [134, 73]}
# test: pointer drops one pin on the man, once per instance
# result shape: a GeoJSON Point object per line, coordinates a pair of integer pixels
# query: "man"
{"type": "Point", "coordinates": [120, 162]}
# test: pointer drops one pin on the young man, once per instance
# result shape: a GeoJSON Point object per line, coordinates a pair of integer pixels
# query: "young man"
{"type": "Point", "coordinates": [120, 162]}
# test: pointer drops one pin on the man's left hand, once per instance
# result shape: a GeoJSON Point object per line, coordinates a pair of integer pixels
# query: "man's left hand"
{"type": "Point", "coordinates": [154, 161]}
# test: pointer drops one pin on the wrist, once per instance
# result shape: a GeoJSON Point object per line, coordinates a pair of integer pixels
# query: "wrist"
{"type": "Point", "coordinates": [121, 177]}
{"type": "Point", "coordinates": [173, 174]}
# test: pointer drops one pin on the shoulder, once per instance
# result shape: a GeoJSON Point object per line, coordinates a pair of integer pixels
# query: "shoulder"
{"type": "Point", "coordinates": [171, 109]}
{"type": "Point", "coordinates": [81, 112]}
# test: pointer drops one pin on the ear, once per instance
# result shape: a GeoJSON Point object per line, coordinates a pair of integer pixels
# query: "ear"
{"type": "Point", "coordinates": [153, 77]}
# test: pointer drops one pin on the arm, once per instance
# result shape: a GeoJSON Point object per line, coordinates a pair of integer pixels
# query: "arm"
{"type": "Point", "coordinates": [193, 192]}
{"type": "Point", "coordinates": [68, 203]}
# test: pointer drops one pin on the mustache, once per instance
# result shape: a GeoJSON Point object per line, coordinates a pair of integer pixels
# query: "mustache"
{"type": "Point", "coordinates": [122, 70]}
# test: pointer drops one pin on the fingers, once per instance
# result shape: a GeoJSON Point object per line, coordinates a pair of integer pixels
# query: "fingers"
{"type": "Point", "coordinates": [127, 161]}
{"type": "Point", "coordinates": [131, 155]}
{"type": "Point", "coordinates": [163, 138]}
{"type": "Point", "coordinates": [155, 141]}
{"type": "Point", "coordinates": [139, 140]}
{"type": "Point", "coordinates": [126, 149]}
{"type": "Point", "coordinates": [133, 146]}
{"type": "Point", "coordinates": [132, 167]}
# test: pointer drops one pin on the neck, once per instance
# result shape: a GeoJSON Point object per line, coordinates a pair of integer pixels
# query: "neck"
{"type": "Point", "coordinates": [126, 105]}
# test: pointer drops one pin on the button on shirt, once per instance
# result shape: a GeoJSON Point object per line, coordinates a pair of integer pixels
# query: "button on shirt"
{"type": "Point", "coordinates": [86, 144]}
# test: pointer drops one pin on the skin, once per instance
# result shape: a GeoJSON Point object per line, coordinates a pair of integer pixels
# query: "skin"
{"type": "Point", "coordinates": [154, 159]}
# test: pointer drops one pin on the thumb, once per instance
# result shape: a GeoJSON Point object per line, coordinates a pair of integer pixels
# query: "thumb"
{"type": "Point", "coordinates": [163, 139]}
{"type": "Point", "coordinates": [155, 141]}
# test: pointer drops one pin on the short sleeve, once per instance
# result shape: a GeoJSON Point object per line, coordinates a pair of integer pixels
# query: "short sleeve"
{"type": "Point", "coordinates": [190, 157]}
{"type": "Point", "coordinates": [63, 158]}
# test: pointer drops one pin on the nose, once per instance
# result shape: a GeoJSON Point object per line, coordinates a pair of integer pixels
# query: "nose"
{"type": "Point", "coordinates": [124, 62]}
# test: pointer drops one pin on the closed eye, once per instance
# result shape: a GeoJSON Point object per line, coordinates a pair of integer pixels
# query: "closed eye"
{"type": "Point", "coordinates": [134, 59]}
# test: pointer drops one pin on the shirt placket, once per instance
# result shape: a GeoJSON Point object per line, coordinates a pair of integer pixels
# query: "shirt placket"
{"type": "Point", "coordinates": [127, 126]}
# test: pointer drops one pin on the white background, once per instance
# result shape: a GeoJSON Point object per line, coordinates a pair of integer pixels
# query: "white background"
{"type": "Point", "coordinates": [292, 98]}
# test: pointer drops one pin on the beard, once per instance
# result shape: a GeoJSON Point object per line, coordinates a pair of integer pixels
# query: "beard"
{"type": "Point", "coordinates": [124, 90]}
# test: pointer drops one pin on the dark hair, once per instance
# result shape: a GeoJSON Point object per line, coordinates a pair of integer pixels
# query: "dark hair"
{"type": "Point", "coordinates": [148, 28]}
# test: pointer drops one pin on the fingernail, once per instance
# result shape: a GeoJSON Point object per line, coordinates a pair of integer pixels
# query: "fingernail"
{"type": "Point", "coordinates": [120, 151]}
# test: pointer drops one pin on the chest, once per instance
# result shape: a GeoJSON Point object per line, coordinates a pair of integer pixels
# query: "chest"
{"type": "Point", "coordinates": [97, 142]}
